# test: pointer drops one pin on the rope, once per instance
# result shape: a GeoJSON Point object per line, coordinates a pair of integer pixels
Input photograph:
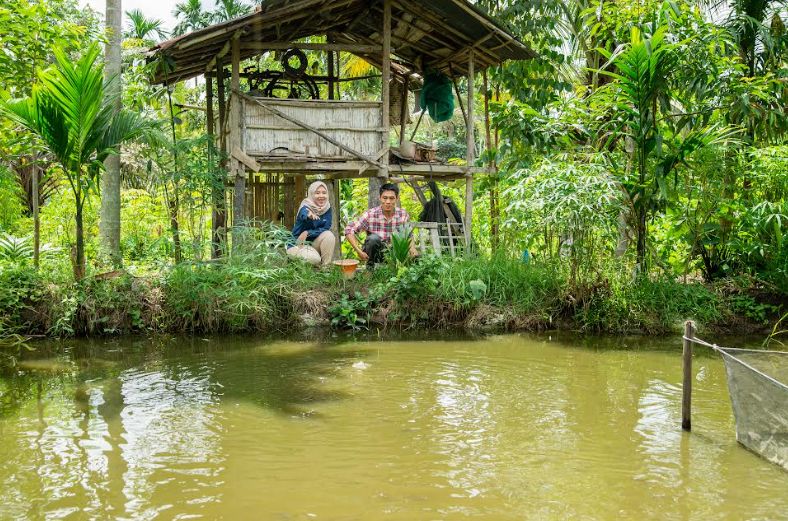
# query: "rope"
{"type": "Point", "coordinates": [723, 348]}
{"type": "Point", "coordinates": [704, 343]}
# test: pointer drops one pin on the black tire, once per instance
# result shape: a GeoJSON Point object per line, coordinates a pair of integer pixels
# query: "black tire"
{"type": "Point", "coordinates": [302, 62]}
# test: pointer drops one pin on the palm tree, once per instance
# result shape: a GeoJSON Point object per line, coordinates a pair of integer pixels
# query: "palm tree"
{"type": "Point", "coordinates": [141, 27]}
{"type": "Point", "coordinates": [230, 9]}
{"type": "Point", "coordinates": [70, 112]}
{"type": "Point", "coordinates": [190, 17]}
{"type": "Point", "coordinates": [638, 102]}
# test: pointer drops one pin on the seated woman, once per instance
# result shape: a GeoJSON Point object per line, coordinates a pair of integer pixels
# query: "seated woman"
{"type": "Point", "coordinates": [313, 224]}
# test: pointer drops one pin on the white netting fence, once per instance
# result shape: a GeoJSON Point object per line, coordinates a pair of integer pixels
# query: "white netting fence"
{"type": "Point", "coordinates": [758, 385]}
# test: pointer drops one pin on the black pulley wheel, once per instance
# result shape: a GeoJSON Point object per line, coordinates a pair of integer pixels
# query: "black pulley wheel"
{"type": "Point", "coordinates": [302, 62]}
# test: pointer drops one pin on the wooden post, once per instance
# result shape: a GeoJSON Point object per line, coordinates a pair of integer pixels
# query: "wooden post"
{"type": "Point", "coordinates": [491, 164]}
{"type": "Point", "coordinates": [686, 388]}
{"type": "Point", "coordinates": [334, 199]}
{"type": "Point", "coordinates": [403, 109]}
{"type": "Point", "coordinates": [236, 168]}
{"type": "Point", "coordinates": [330, 67]}
{"type": "Point", "coordinates": [217, 194]}
{"type": "Point", "coordinates": [470, 157]}
{"type": "Point", "coordinates": [385, 87]}
{"type": "Point", "coordinates": [338, 74]}
{"type": "Point", "coordinates": [222, 106]}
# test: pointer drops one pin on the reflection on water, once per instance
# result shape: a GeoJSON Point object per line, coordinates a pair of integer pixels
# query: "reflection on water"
{"type": "Point", "coordinates": [507, 427]}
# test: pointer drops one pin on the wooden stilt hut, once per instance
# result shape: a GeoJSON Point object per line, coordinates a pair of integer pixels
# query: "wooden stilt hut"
{"type": "Point", "coordinates": [274, 129]}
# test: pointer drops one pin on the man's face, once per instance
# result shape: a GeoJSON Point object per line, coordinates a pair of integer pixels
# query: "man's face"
{"type": "Point", "coordinates": [388, 200]}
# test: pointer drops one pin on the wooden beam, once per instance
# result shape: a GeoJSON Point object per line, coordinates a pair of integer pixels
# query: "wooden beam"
{"type": "Point", "coordinates": [330, 72]}
{"type": "Point", "coordinates": [327, 47]}
{"type": "Point", "coordinates": [334, 198]}
{"type": "Point", "coordinates": [245, 159]}
{"type": "Point", "coordinates": [216, 192]}
{"type": "Point", "coordinates": [403, 110]}
{"type": "Point", "coordinates": [470, 158]}
{"type": "Point", "coordinates": [239, 192]}
{"type": "Point", "coordinates": [385, 84]}
{"type": "Point", "coordinates": [221, 54]}
{"type": "Point", "coordinates": [222, 106]}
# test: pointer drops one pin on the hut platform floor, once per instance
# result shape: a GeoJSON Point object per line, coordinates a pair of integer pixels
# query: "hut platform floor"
{"type": "Point", "coordinates": [341, 168]}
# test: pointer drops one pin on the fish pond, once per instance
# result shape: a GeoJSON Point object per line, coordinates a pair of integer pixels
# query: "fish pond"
{"type": "Point", "coordinates": [499, 427]}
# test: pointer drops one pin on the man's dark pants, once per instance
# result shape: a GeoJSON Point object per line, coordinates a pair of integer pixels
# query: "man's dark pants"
{"type": "Point", "coordinates": [374, 248]}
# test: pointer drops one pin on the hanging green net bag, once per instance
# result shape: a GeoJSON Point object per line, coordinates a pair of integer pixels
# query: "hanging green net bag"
{"type": "Point", "coordinates": [437, 96]}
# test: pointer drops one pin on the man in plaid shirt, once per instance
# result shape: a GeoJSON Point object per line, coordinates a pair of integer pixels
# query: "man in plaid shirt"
{"type": "Point", "coordinates": [379, 223]}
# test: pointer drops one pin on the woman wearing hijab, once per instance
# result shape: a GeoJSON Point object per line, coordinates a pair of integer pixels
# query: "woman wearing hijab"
{"type": "Point", "coordinates": [313, 224]}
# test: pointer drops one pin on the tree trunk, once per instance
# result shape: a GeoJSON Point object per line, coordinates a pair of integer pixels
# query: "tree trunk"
{"type": "Point", "coordinates": [641, 239]}
{"type": "Point", "coordinates": [373, 198]}
{"type": "Point", "coordinates": [79, 257]}
{"type": "Point", "coordinates": [174, 227]}
{"type": "Point", "coordinates": [36, 218]}
{"type": "Point", "coordinates": [109, 224]}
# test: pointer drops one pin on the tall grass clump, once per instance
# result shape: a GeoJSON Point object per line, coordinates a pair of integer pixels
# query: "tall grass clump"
{"type": "Point", "coordinates": [501, 281]}
{"type": "Point", "coordinates": [648, 306]}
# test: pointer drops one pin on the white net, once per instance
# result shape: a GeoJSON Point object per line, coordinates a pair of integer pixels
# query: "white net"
{"type": "Point", "coordinates": [759, 394]}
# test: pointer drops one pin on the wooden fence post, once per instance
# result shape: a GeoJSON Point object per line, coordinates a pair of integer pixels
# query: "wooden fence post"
{"type": "Point", "coordinates": [686, 388]}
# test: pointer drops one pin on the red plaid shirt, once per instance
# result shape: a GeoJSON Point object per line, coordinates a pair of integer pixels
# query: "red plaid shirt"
{"type": "Point", "coordinates": [373, 221]}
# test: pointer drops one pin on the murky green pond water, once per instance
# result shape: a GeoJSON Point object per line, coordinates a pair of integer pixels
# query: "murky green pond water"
{"type": "Point", "coordinates": [506, 427]}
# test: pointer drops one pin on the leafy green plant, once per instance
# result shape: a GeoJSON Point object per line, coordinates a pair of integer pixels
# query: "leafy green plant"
{"type": "Point", "coordinates": [351, 312]}
{"type": "Point", "coordinates": [78, 124]}
{"type": "Point", "coordinates": [399, 250]}
{"type": "Point", "coordinates": [747, 306]}
{"type": "Point", "coordinates": [478, 289]}
{"type": "Point", "coordinates": [15, 250]}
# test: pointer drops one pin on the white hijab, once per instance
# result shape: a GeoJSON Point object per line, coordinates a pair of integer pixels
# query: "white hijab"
{"type": "Point", "coordinates": [310, 203]}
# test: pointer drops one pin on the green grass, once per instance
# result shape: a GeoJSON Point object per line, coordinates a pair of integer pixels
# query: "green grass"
{"type": "Point", "coordinates": [269, 292]}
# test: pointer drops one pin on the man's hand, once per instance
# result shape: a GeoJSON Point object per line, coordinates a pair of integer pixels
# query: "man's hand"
{"type": "Point", "coordinates": [351, 238]}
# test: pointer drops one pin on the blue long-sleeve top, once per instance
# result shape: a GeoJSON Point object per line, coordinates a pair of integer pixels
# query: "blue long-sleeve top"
{"type": "Point", "coordinates": [313, 228]}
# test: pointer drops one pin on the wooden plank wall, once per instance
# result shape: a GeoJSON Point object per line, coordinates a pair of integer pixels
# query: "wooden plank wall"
{"type": "Point", "coordinates": [354, 124]}
{"type": "Point", "coordinates": [268, 194]}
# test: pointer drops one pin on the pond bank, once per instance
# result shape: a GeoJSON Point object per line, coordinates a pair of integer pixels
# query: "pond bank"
{"type": "Point", "coordinates": [472, 294]}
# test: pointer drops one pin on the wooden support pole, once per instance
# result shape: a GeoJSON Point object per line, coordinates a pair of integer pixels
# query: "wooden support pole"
{"type": "Point", "coordinates": [330, 67]}
{"type": "Point", "coordinates": [471, 142]}
{"type": "Point", "coordinates": [470, 157]}
{"type": "Point", "coordinates": [236, 168]}
{"type": "Point", "coordinates": [386, 79]}
{"type": "Point", "coordinates": [222, 106]}
{"type": "Point", "coordinates": [403, 109]}
{"type": "Point", "coordinates": [686, 387]}
{"type": "Point", "coordinates": [334, 199]}
{"type": "Point", "coordinates": [217, 193]}
{"type": "Point", "coordinates": [337, 75]}
{"type": "Point", "coordinates": [491, 165]}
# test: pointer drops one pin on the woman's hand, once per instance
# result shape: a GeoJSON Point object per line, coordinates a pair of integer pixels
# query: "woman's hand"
{"type": "Point", "coordinates": [302, 238]}
{"type": "Point", "coordinates": [312, 215]}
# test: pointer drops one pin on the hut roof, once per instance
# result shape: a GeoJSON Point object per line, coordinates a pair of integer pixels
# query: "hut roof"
{"type": "Point", "coordinates": [437, 34]}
